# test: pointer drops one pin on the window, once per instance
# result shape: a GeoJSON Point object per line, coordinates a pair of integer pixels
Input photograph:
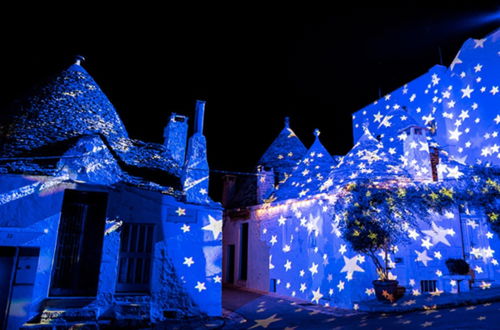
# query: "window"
{"type": "Point", "coordinates": [428, 285]}
{"type": "Point", "coordinates": [272, 285]}
{"type": "Point", "coordinates": [418, 131]}
{"type": "Point", "coordinates": [135, 257]}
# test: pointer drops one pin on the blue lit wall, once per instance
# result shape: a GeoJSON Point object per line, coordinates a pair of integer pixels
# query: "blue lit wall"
{"type": "Point", "coordinates": [186, 268]}
{"type": "Point", "coordinates": [306, 253]}
{"type": "Point", "coordinates": [303, 254]}
{"type": "Point", "coordinates": [460, 102]}
{"type": "Point", "coordinates": [186, 272]}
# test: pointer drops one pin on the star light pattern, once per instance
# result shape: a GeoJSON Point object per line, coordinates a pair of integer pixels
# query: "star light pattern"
{"type": "Point", "coordinates": [269, 312]}
{"type": "Point", "coordinates": [70, 120]}
{"type": "Point", "coordinates": [459, 105]}
{"type": "Point", "coordinates": [195, 251]}
{"type": "Point", "coordinates": [443, 109]}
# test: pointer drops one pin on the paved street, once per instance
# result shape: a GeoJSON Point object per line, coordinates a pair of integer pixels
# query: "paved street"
{"type": "Point", "coordinates": [254, 311]}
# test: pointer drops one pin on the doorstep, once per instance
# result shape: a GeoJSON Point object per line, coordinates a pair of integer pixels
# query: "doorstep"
{"type": "Point", "coordinates": [426, 301]}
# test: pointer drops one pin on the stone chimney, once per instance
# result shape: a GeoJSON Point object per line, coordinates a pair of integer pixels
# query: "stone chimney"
{"type": "Point", "coordinates": [416, 151]}
{"type": "Point", "coordinates": [265, 183]}
{"type": "Point", "coordinates": [175, 135]}
{"type": "Point", "coordinates": [196, 171]}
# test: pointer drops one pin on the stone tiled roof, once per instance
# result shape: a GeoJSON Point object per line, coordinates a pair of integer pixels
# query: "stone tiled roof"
{"type": "Point", "coordinates": [459, 103]}
{"type": "Point", "coordinates": [368, 159]}
{"type": "Point", "coordinates": [72, 105]}
{"type": "Point", "coordinates": [285, 151]}
{"type": "Point", "coordinates": [309, 175]}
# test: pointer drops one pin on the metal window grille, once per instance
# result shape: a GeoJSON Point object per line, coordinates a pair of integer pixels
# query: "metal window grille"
{"type": "Point", "coordinates": [428, 285]}
{"type": "Point", "coordinates": [135, 257]}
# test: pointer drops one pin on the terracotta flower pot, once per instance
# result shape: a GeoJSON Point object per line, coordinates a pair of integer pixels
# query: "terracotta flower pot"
{"type": "Point", "coordinates": [386, 290]}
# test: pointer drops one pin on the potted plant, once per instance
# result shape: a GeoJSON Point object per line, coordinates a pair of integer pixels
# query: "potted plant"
{"type": "Point", "coordinates": [376, 217]}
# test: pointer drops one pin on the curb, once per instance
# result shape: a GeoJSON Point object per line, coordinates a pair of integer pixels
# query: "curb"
{"type": "Point", "coordinates": [304, 304]}
{"type": "Point", "coordinates": [391, 309]}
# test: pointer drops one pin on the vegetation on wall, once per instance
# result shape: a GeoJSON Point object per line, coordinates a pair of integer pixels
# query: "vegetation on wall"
{"type": "Point", "coordinates": [378, 215]}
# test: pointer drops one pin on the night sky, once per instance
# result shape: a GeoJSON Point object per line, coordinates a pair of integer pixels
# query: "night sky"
{"type": "Point", "coordinates": [253, 65]}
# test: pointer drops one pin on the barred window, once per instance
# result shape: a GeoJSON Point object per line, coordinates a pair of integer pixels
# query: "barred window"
{"type": "Point", "coordinates": [135, 257]}
{"type": "Point", "coordinates": [428, 285]}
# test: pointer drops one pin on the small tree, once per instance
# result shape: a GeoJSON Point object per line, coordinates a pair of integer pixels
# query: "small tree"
{"type": "Point", "coordinates": [377, 216]}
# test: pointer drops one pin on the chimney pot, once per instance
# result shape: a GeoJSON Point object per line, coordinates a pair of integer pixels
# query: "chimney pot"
{"type": "Point", "coordinates": [199, 115]}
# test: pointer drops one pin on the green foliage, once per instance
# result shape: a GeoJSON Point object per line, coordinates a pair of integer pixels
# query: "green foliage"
{"type": "Point", "coordinates": [375, 215]}
{"type": "Point", "coordinates": [379, 215]}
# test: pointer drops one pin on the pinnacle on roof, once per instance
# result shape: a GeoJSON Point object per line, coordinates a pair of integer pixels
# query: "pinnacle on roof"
{"type": "Point", "coordinates": [69, 105]}
{"type": "Point", "coordinates": [285, 151]}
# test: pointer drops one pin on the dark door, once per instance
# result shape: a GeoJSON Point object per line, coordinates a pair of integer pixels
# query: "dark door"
{"type": "Point", "coordinates": [230, 263]}
{"type": "Point", "coordinates": [244, 251]}
{"type": "Point", "coordinates": [17, 279]}
{"type": "Point", "coordinates": [7, 258]}
{"type": "Point", "coordinates": [79, 244]}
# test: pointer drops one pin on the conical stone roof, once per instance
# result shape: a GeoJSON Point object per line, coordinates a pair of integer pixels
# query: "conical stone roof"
{"type": "Point", "coordinates": [70, 105]}
{"type": "Point", "coordinates": [367, 160]}
{"type": "Point", "coordinates": [285, 151]}
{"type": "Point", "coordinates": [310, 173]}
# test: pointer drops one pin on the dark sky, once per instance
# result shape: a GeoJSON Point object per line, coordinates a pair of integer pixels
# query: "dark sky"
{"type": "Point", "coordinates": [253, 65]}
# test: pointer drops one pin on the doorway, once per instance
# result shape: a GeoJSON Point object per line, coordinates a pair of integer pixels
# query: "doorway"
{"type": "Point", "coordinates": [243, 252]}
{"type": "Point", "coordinates": [79, 244]}
{"type": "Point", "coordinates": [17, 278]}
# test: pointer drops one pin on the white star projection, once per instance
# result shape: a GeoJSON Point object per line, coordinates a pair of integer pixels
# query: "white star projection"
{"type": "Point", "coordinates": [200, 286]}
{"type": "Point", "coordinates": [423, 257]}
{"type": "Point", "coordinates": [350, 267]}
{"type": "Point", "coordinates": [438, 234]}
{"type": "Point", "coordinates": [445, 113]}
{"type": "Point", "coordinates": [213, 255]}
{"type": "Point", "coordinates": [469, 95]}
{"type": "Point", "coordinates": [314, 269]}
{"type": "Point", "coordinates": [188, 261]}
{"type": "Point", "coordinates": [215, 226]}
{"type": "Point", "coordinates": [317, 295]}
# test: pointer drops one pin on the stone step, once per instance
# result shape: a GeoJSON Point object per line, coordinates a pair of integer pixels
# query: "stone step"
{"type": "Point", "coordinates": [63, 303]}
{"type": "Point", "coordinates": [65, 326]}
{"type": "Point", "coordinates": [132, 311]}
{"type": "Point", "coordinates": [57, 316]}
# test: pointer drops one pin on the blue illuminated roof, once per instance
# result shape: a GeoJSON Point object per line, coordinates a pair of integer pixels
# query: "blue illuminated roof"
{"type": "Point", "coordinates": [459, 102]}
{"type": "Point", "coordinates": [285, 151]}
{"type": "Point", "coordinates": [310, 173]}
{"type": "Point", "coordinates": [69, 106]}
{"type": "Point", "coordinates": [368, 159]}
